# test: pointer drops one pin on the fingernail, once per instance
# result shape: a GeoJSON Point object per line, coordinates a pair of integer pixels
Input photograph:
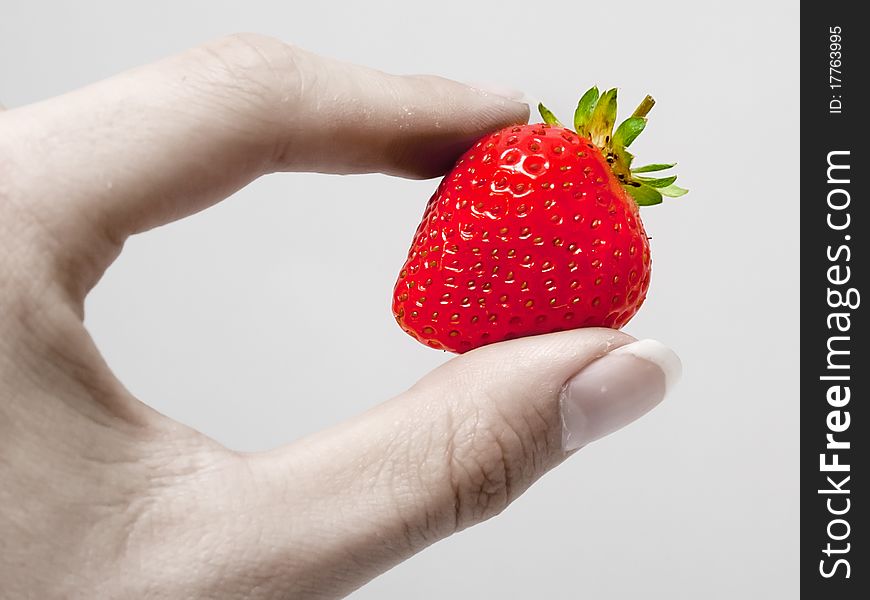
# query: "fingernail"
{"type": "Point", "coordinates": [498, 90]}
{"type": "Point", "coordinates": [614, 390]}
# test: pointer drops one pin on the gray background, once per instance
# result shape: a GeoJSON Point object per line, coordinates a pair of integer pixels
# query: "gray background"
{"type": "Point", "coordinates": [209, 320]}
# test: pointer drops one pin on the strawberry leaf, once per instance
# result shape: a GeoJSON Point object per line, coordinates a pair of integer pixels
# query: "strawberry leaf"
{"type": "Point", "coordinates": [594, 119]}
{"type": "Point", "coordinates": [654, 167]}
{"type": "Point", "coordinates": [673, 191]}
{"type": "Point", "coordinates": [644, 195]}
{"type": "Point", "coordinates": [548, 116]}
{"type": "Point", "coordinates": [603, 118]}
{"type": "Point", "coordinates": [627, 132]}
{"type": "Point", "coordinates": [584, 111]}
{"type": "Point", "coordinates": [657, 183]}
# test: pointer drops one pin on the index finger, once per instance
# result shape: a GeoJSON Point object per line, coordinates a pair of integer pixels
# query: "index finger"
{"type": "Point", "coordinates": [166, 140]}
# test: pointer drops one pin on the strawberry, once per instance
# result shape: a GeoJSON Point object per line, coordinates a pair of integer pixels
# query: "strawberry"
{"type": "Point", "coordinates": [536, 229]}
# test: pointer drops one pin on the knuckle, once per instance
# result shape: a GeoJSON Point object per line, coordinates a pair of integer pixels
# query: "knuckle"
{"type": "Point", "coordinates": [264, 67]}
{"type": "Point", "coordinates": [480, 470]}
{"type": "Point", "coordinates": [265, 82]}
{"type": "Point", "coordinates": [492, 458]}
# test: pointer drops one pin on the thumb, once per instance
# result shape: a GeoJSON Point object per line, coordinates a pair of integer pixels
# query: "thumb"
{"type": "Point", "coordinates": [451, 452]}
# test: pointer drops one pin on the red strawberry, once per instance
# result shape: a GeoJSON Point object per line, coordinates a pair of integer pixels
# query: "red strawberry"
{"type": "Point", "coordinates": [535, 229]}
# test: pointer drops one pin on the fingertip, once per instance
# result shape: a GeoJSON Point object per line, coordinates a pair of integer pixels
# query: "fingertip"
{"type": "Point", "coordinates": [490, 108]}
{"type": "Point", "coordinates": [615, 390]}
{"type": "Point", "coordinates": [498, 90]}
{"type": "Point", "coordinates": [658, 354]}
{"type": "Point", "coordinates": [446, 120]}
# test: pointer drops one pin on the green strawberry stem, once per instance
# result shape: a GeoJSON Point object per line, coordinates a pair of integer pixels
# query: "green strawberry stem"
{"type": "Point", "coordinates": [644, 107]}
{"type": "Point", "coordinates": [594, 120]}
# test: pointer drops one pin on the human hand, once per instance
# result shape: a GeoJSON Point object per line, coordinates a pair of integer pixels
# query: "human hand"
{"type": "Point", "coordinates": [102, 497]}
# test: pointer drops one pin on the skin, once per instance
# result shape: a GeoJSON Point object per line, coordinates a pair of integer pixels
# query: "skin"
{"type": "Point", "coordinates": [101, 496]}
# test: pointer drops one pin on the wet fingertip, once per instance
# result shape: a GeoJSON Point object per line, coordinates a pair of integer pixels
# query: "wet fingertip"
{"type": "Point", "coordinates": [496, 89]}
